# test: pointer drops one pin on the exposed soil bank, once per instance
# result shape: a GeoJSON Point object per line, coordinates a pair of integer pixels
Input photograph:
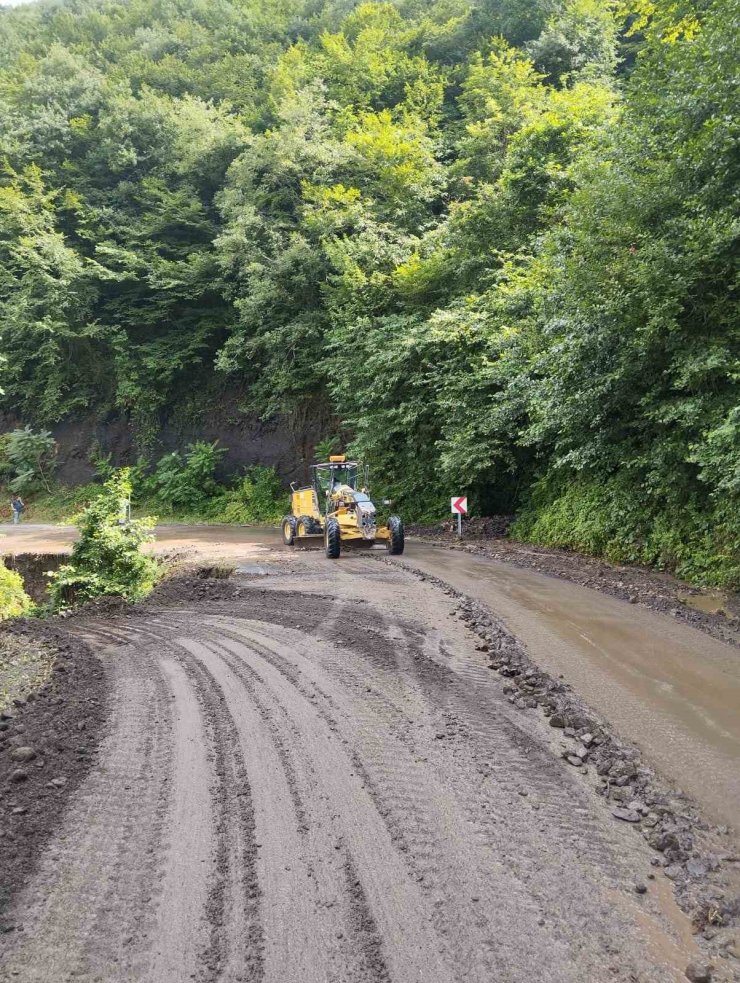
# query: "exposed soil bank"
{"type": "Point", "coordinates": [33, 568]}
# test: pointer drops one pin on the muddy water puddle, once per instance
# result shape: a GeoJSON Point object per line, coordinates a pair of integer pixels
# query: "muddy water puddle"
{"type": "Point", "coordinates": [709, 602]}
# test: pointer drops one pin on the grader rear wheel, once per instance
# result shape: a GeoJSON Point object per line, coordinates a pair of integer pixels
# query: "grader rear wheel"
{"type": "Point", "coordinates": [308, 526]}
{"type": "Point", "coordinates": [289, 529]}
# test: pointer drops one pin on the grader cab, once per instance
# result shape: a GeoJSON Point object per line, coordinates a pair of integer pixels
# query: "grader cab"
{"type": "Point", "coordinates": [336, 506]}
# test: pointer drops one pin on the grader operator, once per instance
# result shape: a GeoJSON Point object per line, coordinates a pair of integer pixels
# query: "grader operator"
{"type": "Point", "coordinates": [337, 507]}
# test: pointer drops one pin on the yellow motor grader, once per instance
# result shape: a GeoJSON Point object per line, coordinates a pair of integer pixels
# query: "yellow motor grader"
{"type": "Point", "coordinates": [337, 507]}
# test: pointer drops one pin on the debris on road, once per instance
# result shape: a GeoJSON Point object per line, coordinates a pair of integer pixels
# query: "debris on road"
{"type": "Point", "coordinates": [344, 787]}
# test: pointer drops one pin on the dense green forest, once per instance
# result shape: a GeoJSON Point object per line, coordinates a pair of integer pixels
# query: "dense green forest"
{"type": "Point", "coordinates": [489, 244]}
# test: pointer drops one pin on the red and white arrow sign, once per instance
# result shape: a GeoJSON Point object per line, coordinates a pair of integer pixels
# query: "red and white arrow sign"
{"type": "Point", "coordinates": [459, 505]}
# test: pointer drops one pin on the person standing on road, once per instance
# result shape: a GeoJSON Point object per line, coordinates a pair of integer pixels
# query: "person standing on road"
{"type": "Point", "coordinates": [17, 507]}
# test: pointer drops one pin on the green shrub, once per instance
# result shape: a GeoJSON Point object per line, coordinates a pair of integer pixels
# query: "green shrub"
{"type": "Point", "coordinates": [187, 480]}
{"type": "Point", "coordinates": [13, 599]}
{"type": "Point", "coordinates": [107, 558]}
{"type": "Point", "coordinates": [698, 542]}
{"type": "Point", "coordinates": [258, 497]}
{"type": "Point", "coordinates": [27, 459]}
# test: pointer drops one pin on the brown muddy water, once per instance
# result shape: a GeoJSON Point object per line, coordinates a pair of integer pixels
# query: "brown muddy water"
{"type": "Point", "coordinates": [709, 602]}
{"type": "Point", "coordinates": [669, 688]}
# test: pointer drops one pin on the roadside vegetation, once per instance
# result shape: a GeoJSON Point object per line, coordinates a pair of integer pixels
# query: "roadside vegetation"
{"type": "Point", "coordinates": [179, 487]}
{"type": "Point", "coordinates": [107, 558]}
{"type": "Point", "coordinates": [490, 245]}
{"type": "Point", "coordinates": [14, 601]}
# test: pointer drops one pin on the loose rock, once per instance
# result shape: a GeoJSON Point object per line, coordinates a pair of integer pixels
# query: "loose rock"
{"type": "Point", "coordinates": [699, 972]}
{"type": "Point", "coordinates": [627, 815]}
{"type": "Point", "coordinates": [23, 754]}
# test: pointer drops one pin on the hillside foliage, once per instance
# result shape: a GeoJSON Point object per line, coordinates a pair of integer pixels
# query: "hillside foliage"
{"type": "Point", "coordinates": [492, 243]}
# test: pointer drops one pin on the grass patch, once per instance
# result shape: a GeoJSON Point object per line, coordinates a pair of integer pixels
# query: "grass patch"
{"type": "Point", "coordinates": [699, 544]}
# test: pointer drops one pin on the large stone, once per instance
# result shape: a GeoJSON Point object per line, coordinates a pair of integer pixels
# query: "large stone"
{"type": "Point", "coordinates": [23, 754]}
{"type": "Point", "coordinates": [621, 769]}
{"type": "Point", "coordinates": [627, 815]}
{"type": "Point", "coordinates": [699, 972]}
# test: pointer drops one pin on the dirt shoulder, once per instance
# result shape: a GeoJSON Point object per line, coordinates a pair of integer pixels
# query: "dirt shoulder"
{"type": "Point", "coordinates": [50, 723]}
{"type": "Point", "coordinates": [714, 612]}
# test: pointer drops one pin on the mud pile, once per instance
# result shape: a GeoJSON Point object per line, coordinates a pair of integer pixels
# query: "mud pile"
{"type": "Point", "coordinates": [47, 747]}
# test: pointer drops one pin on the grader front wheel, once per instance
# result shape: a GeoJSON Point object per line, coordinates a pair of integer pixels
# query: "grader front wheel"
{"type": "Point", "coordinates": [332, 539]}
{"type": "Point", "coordinates": [395, 542]}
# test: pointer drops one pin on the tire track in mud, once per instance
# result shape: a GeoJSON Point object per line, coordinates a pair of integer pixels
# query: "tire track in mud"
{"type": "Point", "coordinates": [105, 857]}
{"type": "Point", "coordinates": [411, 803]}
{"type": "Point", "coordinates": [359, 960]}
{"type": "Point", "coordinates": [231, 902]}
{"type": "Point", "coordinates": [236, 940]}
{"type": "Point", "coordinates": [413, 962]}
{"type": "Point", "coordinates": [357, 965]}
{"type": "Point", "coordinates": [315, 750]}
{"type": "Point", "coordinates": [512, 760]}
{"type": "Point", "coordinates": [337, 807]}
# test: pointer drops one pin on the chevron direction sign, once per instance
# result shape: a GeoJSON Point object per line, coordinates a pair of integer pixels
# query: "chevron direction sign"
{"type": "Point", "coordinates": [459, 505]}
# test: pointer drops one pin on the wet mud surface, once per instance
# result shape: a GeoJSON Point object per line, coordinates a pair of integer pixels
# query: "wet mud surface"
{"type": "Point", "coordinates": [715, 612]}
{"type": "Point", "coordinates": [310, 773]}
{"type": "Point", "coordinates": [661, 684]}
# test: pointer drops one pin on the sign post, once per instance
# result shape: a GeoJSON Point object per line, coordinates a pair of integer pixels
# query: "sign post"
{"type": "Point", "coordinates": [459, 507]}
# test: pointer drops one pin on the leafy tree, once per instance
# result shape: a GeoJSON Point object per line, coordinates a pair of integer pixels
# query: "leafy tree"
{"type": "Point", "coordinates": [27, 458]}
{"type": "Point", "coordinates": [579, 39]}
{"type": "Point", "coordinates": [490, 242]}
{"type": "Point", "coordinates": [107, 558]}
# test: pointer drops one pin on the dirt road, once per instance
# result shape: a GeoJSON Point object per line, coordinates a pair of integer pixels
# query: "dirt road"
{"type": "Point", "coordinates": [312, 776]}
{"type": "Point", "coordinates": [667, 687]}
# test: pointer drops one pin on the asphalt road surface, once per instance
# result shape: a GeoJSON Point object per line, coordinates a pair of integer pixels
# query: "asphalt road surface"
{"type": "Point", "coordinates": [314, 777]}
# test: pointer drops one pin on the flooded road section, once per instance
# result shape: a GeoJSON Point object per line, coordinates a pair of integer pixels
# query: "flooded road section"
{"type": "Point", "coordinates": [670, 689]}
